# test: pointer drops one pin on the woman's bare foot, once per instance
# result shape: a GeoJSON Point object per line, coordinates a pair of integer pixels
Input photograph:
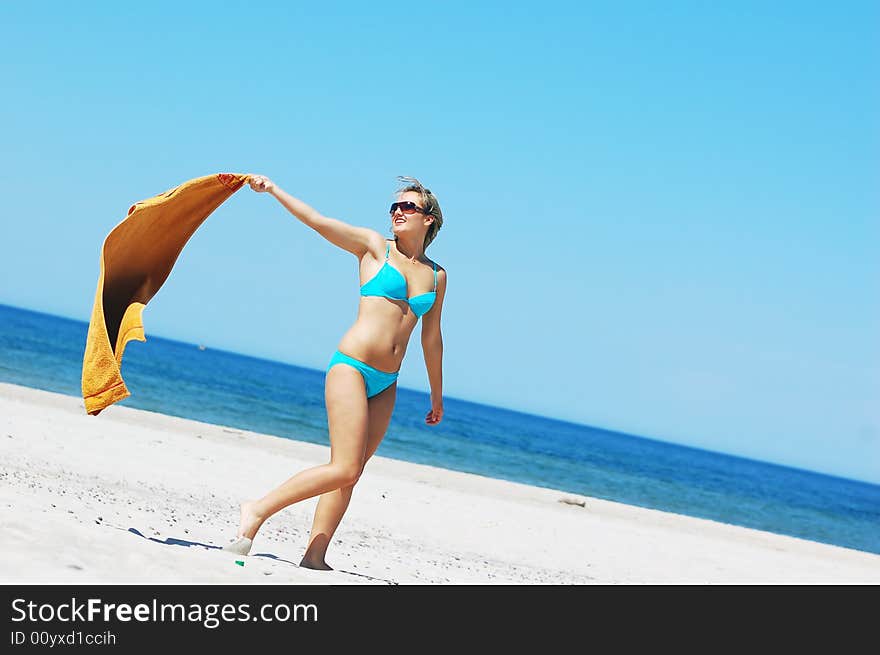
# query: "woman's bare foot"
{"type": "Point", "coordinates": [250, 521]}
{"type": "Point", "coordinates": [316, 565]}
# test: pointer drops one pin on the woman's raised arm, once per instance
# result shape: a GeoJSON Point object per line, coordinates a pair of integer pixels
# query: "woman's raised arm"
{"type": "Point", "coordinates": [354, 239]}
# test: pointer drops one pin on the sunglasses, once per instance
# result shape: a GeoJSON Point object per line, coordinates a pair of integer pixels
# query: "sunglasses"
{"type": "Point", "coordinates": [407, 207]}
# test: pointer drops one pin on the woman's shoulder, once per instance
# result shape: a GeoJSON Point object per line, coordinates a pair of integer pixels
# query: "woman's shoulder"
{"type": "Point", "coordinates": [432, 263]}
{"type": "Point", "coordinates": [441, 272]}
{"type": "Point", "coordinates": [376, 243]}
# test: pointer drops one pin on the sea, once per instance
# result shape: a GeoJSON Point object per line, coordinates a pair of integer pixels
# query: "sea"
{"type": "Point", "coordinates": [205, 384]}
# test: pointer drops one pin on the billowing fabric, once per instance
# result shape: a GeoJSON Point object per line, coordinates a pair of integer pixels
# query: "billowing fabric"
{"type": "Point", "coordinates": [136, 259]}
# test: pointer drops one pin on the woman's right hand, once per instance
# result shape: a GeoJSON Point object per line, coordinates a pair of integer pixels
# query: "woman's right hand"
{"type": "Point", "coordinates": [261, 183]}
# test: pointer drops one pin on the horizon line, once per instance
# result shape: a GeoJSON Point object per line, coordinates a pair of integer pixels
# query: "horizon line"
{"type": "Point", "coordinates": [545, 417]}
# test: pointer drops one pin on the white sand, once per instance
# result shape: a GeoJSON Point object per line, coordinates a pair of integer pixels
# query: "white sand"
{"type": "Point", "coordinates": [137, 497]}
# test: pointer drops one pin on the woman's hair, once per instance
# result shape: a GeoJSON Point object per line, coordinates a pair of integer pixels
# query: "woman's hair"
{"type": "Point", "coordinates": [429, 202]}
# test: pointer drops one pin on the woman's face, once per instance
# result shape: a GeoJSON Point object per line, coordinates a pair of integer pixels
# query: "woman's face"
{"type": "Point", "coordinates": [409, 219]}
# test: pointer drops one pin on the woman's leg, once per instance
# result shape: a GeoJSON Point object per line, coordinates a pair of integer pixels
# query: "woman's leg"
{"type": "Point", "coordinates": [333, 504]}
{"type": "Point", "coordinates": [346, 399]}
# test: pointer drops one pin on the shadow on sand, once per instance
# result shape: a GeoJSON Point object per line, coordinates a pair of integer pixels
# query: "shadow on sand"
{"type": "Point", "coordinates": [171, 541]}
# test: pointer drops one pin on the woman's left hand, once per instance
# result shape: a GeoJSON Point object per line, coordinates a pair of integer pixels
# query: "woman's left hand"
{"type": "Point", "coordinates": [436, 414]}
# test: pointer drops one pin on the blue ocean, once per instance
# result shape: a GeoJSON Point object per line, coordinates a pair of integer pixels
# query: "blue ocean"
{"type": "Point", "coordinates": [45, 352]}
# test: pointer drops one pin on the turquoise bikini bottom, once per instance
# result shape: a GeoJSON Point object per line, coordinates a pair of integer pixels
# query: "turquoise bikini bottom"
{"type": "Point", "coordinates": [375, 380]}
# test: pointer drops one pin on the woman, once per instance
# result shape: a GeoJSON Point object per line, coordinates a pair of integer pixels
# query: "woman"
{"type": "Point", "coordinates": [399, 285]}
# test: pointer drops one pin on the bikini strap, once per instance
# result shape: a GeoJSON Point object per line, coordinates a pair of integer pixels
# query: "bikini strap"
{"type": "Point", "coordinates": [435, 276]}
{"type": "Point", "coordinates": [387, 249]}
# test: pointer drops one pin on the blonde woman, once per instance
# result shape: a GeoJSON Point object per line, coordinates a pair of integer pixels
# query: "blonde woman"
{"type": "Point", "coordinates": [399, 287]}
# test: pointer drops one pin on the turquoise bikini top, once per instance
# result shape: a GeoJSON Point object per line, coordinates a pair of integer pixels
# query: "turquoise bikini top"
{"type": "Point", "coordinates": [390, 283]}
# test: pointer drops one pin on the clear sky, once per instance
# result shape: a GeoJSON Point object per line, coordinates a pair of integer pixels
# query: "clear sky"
{"type": "Point", "coordinates": [660, 218]}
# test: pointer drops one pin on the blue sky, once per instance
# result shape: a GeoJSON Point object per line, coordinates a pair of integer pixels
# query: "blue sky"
{"type": "Point", "coordinates": [661, 218]}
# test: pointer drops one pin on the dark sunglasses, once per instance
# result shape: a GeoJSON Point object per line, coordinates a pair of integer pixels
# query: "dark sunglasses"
{"type": "Point", "coordinates": [407, 207]}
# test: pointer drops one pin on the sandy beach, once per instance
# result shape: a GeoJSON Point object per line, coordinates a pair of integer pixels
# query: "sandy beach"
{"type": "Point", "coordinates": [135, 497]}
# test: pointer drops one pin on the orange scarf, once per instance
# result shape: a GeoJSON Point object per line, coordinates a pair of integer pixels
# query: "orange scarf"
{"type": "Point", "coordinates": [136, 259]}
